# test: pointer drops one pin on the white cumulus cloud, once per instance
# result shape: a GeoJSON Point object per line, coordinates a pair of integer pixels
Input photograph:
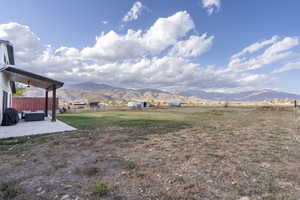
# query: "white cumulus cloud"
{"type": "Point", "coordinates": [256, 46]}
{"type": "Point", "coordinates": [27, 44]}
{"type": "Point", "coordinates": [134, 12]}
{"type": "Point", "coordinates": [288, 67]}
{"type": "Point", "coordinates": [275, 50]}
{"type": "Point", "coordinates": [211, 6]}
{"type": "Point", "coordinates": [162, 56]}
{"type": "Point", "coordinates": [163, 33]}
{"type": "Point", "coordinates": [192, 47]}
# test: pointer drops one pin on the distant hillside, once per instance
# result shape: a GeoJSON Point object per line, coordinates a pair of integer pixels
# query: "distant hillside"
{"type": "Point", "coordinates": [256, 95]}
{"type": "Point", "coordinates": [152, 90]}
{"type": "Point", "coordinates": [90, 86]}
{"type": "Point", "coordinates": [103, 92]}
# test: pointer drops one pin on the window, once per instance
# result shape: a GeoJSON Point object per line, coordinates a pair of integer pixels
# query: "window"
{"type": "Point", "coordinates": [5, 100]}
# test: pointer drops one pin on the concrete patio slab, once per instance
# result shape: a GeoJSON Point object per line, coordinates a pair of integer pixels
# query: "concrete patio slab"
{"type": "Point", "coordinates": [34, 128]}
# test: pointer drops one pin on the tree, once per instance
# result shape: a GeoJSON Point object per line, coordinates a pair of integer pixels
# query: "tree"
{"type": "Point", "coordinates": [19, 91]}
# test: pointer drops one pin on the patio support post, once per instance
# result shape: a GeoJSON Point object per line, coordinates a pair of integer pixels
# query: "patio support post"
{"type": "Point", "coordinates": [46, 103]}
{"type": "Point", "coordinates": [54, 104]}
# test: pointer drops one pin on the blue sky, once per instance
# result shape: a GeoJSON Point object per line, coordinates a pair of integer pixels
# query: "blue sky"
{"type": "Point", "coordinates": [229, 25]}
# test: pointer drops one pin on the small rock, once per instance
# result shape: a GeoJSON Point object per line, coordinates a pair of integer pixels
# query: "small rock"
{"type": "Point", "coordinates": [123, 173]}
{"type": "Point", "coordinates": [44, 191]}
{"type": "Point", "coordinates": [65, 197]}
{"type": "Point", "coordinates": [244, 198]}
{"type": "Point", "coordinates": [67, 186]}
{"type": "Point", "coordinates": [41, 193]}
{"type": "Point", "coordinates": [265, 165]}
{"type": "Point", "coordinates": [285, 184]}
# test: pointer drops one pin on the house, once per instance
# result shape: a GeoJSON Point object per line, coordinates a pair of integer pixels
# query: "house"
{"type": "Point", "coordinates": [9, 74]}
{"type": "Point", "coordinates": [7, 87]}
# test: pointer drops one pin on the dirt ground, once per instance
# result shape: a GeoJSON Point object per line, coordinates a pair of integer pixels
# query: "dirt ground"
{"type": "Point", "coordinates": [236, 153]}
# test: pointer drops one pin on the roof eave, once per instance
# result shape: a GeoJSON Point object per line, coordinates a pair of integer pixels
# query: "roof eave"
{"type": "Point", "coordinates": [30, 75]}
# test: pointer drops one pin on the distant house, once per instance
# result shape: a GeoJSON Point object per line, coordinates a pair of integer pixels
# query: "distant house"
{"type": "Point", "coordinates": [78, 105]}
{"type": "Point", "coordinates": [175, 103]}
{"type": "Point", "coordinates": [138, 104]}
{"type": "Point", "coordinates": [94, 104]}
{"type": "Point", "coordinates": [147, 104]}
{"type": "Point", "coordinates": [135, 104]}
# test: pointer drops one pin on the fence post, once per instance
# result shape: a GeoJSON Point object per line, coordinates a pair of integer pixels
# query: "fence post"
{"type": "Point", "coordinates": [54, 104]}
{"type": "Point", "coordinates": [46, 103]}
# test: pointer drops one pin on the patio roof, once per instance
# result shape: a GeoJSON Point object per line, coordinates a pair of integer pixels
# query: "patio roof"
{"type": "Point", "coordinates": [22, 76]}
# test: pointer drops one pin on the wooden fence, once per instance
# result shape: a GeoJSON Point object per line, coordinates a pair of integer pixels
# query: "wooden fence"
{"type": "Point", "coordinates": [31, 103]}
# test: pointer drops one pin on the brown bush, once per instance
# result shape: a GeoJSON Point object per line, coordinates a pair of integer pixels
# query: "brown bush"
{"type": "Point", "coordinates": [271, 108]}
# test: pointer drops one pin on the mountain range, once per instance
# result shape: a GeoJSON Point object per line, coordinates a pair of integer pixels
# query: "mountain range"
{"type": "Point", "coordinates": [104, 92]}
{"type": "Point", "coordinates": [254, 95]}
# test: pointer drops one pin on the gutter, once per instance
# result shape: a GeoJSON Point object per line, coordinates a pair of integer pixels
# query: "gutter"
{"type": "Point", "coordinates": [3, 68]}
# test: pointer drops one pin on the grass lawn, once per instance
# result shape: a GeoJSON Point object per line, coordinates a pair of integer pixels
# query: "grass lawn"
{"type": "Point", "coordinates": [149, 121]}
{"type": "Point", "coordinates": [165, 121]}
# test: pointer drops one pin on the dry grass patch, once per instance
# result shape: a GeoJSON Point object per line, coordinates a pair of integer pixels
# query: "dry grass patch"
{"type": "Point", "coordinates": [10, 189]}
{"type": "Point", "coordinates": [177, 153]}
{"type": "Point", "coordinates": [87, 171]}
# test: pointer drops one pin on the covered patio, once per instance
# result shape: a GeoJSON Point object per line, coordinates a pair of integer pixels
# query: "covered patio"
{"type": "Point", "coordinates": [28, 78]}
{"type": "Point", "coordinates": [27, 128]}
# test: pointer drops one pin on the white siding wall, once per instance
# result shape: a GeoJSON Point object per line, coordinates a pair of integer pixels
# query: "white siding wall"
{"type": "Point", "coordinates": [4, 85]}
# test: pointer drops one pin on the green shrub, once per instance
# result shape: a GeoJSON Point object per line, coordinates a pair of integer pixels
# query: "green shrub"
{"type": "Point", "coordinates": [12, 141]}
{"type": "Point", "coordinates": [91, 171]}
{"type": "Point", "coordinates": [87, 171]}
{"type": "Point", "coordinates": [131, 165]}
{"type": "Point", "coordinates": [100, 189]}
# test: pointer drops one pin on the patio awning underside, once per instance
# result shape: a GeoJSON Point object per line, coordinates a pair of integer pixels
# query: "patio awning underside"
{"type": "Point", "coordinates": [35, 80]}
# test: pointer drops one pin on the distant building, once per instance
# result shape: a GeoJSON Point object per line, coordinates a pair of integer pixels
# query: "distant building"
{"type": "Point", "coordinates": [78, 105]}
{"type": "Point", "coordinates": [94, 104]}
{"type": "Point", "coordinates": [175, 103]}
{"type": "Point", "coordinates": [137, 104]}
